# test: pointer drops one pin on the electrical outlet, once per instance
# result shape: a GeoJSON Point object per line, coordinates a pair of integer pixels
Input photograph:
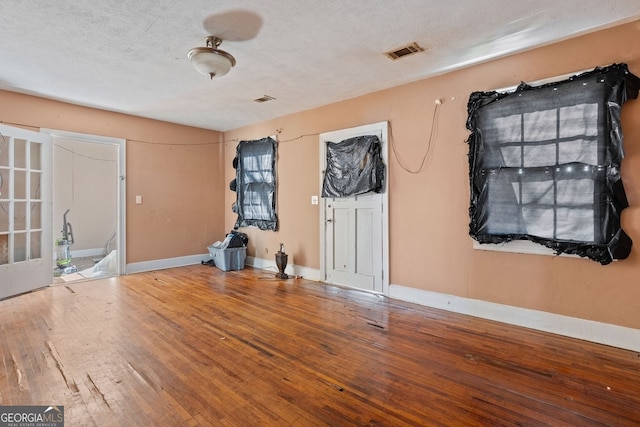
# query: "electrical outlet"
{"type": "Point", "coordinates": [314, 200]}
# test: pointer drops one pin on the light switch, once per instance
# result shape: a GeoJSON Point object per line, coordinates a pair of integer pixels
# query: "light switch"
{"type": "Point", "coordinates": [314, 200]}
{"type": "Point", "coordinates": [138, 200]}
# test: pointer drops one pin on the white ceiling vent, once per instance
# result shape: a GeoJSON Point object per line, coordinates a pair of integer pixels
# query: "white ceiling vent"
{"type": "Point", "coordinates": [264, 98]}
{"type": "Point", "coordinates": [403, 51]}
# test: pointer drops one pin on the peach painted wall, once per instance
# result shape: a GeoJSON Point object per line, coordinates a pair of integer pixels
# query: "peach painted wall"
{"type": "Point", "coordinates": [429, 244]}
{"type": "Point", "coordinates": [177, 169]}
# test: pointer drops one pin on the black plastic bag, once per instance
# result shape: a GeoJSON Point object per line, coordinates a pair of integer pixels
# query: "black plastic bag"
{"type": "Point", "coordinates": [354, 166]}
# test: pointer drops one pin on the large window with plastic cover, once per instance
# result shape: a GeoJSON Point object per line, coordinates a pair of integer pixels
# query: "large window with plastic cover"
{"type": "Point", "coordinates": [255, 184]}
{"type": "Point", "coordinates": [544, 164]}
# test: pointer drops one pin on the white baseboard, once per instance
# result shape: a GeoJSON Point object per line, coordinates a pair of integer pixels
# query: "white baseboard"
{"type": "Point", "coordinates": [589, 330]}
{"type": "Point", "coordinates": [291, 270]}
{"type": "Point", "coordinates": [81, 253]}
{"type": "Point", "coordinates": [87, 252]}
{"type": "Point", "coordinates": [161, 264]}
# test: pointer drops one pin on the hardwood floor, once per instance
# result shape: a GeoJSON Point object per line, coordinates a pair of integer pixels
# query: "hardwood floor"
{"type": "Point", "coordinates": [196, 346]}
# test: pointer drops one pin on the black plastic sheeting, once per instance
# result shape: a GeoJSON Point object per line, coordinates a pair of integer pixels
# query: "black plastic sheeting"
{"type": "Point", "coordinates": [255, 184]}
{"type": "Point", "coordinates": [354, 166]}
{"type": "Point", "coordinates": [544, 164]}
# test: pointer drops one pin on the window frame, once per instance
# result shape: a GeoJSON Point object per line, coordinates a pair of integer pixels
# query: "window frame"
{"type": "Point", "coordinates": [604, 174]}
{"type": "Point", "coordinates": [256, 184]}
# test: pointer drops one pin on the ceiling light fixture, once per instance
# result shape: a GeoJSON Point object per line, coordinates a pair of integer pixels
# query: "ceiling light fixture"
{"type": "Point", "coordinates": [210, 60]}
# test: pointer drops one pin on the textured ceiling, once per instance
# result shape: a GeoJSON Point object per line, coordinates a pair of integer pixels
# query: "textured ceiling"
{"type": "Point", "coordinates": [130, 56]}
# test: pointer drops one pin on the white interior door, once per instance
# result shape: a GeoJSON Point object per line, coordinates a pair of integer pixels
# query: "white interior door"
{"type": "Point", "coordinates": [354, 241]}
{"type": "Point", "coordinates": [26, 246]}
{"type": "Point", "coordinates": [354, 245]}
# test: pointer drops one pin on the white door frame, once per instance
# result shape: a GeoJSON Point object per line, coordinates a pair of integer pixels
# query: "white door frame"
{"type": "Point", "coordinates": [121, 190]}
{"type": "Point", "coordinates": [380, 129]}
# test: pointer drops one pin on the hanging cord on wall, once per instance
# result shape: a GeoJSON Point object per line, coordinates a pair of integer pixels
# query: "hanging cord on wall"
{"type": "Point", "coordinates": [298, 137]}
{"type": "Point", "coordinates": [186, 144]}
{"type": "Point", "coordinates": [35, 129]}
{"type": "Point", "coordinates": [279, 141]}
{"type": "Point", "coordinates": [82, 155]}
{"type": "Point", "coordinates": [278, 131]}
{"type": "Point", "coordinates": [429, 143]}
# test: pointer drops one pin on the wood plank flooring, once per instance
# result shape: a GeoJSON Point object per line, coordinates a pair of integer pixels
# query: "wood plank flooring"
{"type": "Point", "coordinates": [195, 346]}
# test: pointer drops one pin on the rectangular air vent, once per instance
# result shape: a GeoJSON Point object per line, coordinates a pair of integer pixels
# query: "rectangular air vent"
{"type": "Point", "coordinates": [403, 51]}
{"type": "Point", "coordinates": [264, 98]}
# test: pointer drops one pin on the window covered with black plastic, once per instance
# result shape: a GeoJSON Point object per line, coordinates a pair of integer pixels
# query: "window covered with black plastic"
{"type": "Point", "coordinates": [255, 184]}
{"type": "Point", "coordinates": [354, 166]}
{"type": "Point", "coordinates": [544, 164]}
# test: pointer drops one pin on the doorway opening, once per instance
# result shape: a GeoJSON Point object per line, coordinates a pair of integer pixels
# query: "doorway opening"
{"type": "Point", "coordinates": [354, 231]}
{"type": "Point", "coordinates": [88, 206]}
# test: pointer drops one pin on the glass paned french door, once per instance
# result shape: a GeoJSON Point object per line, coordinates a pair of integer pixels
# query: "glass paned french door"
{"type": "Point", "coordinates": [26, 260]}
